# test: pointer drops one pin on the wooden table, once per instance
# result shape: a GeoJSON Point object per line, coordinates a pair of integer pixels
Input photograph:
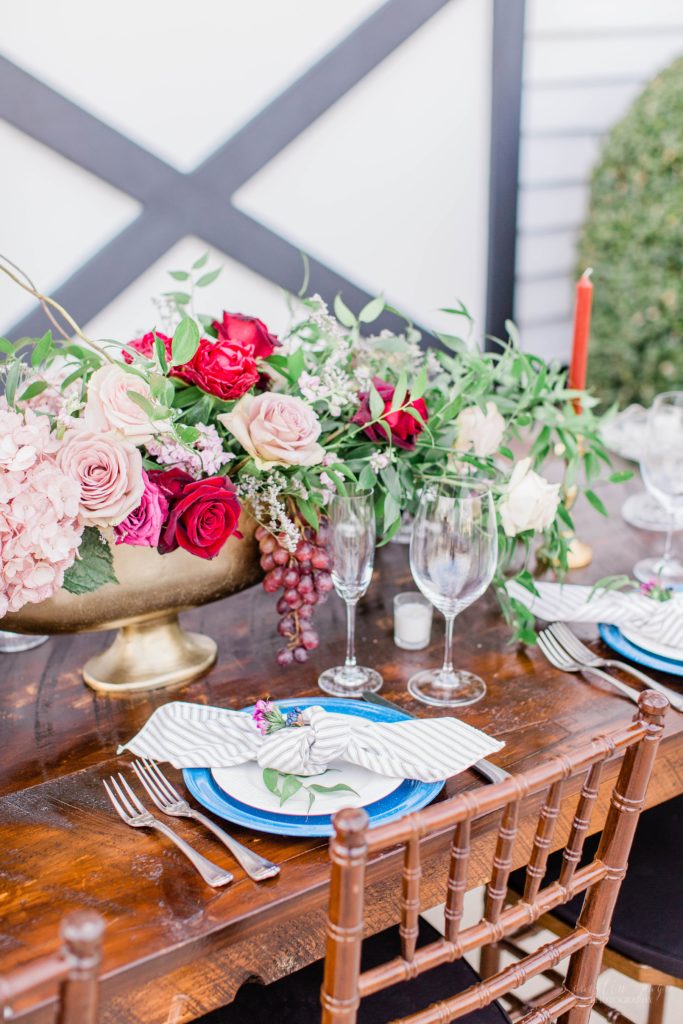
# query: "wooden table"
{"type": "Point", "coordinates": [175, 949]}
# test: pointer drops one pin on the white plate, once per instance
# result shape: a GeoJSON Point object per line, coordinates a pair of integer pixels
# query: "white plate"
{"type": "Point", "coordinates": [662, 650]}
{"type": "Point", "coordinates": [244, 782]}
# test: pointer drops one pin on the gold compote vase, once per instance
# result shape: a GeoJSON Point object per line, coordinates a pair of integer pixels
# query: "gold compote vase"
{"type": "Point", "coordinates": [151, 649]}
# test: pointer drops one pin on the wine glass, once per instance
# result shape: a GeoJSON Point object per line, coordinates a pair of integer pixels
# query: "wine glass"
{"type": "Point", "coordinates": [453, 556]}
{"type": "Point", "coordinates": [661, 466]}
{"type": "Point", "coordinates": [352, 549]}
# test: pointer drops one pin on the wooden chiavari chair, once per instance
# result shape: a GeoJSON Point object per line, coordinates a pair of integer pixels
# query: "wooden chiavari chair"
{"type": "Point", "coordinates": [345, 985]}
{"type": "Point", "coordinates": [74, 968]}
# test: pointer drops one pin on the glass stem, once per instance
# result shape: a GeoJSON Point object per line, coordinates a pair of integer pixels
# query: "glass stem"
{"type": "Point", "coordinates": [350, 635]}
{"type": "Point", "coordinates": [668, 546]}
{"type": "Point", "coordinates": [448, 646]}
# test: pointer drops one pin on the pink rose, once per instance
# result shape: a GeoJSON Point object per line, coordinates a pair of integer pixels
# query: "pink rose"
{"type": "Point", "coordinates": [142, 526]}
{"type": "Point", "coordinates": [276, 430]}
{"type": "Point", "coordinates": [108, 470]}
{"type": "Point", "coordinates": [110, 407]}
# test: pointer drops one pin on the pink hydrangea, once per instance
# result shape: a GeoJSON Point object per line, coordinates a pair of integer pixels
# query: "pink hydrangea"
{"type": "Point", "coordinates": [39, 527]}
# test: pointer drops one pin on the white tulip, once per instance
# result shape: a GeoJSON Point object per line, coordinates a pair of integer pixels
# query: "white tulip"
{"type": "Point", "coordinates": [530, 502]}
{"type": "Point", "coordinates": [480, 431]}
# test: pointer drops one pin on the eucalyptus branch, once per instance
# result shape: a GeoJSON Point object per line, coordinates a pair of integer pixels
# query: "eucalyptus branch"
{"type": "Point", "coordinates": [46, 301]}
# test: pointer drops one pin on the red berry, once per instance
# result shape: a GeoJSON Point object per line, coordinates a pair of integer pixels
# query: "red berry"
{"type": "Point", "coordinates": [291, 578]}
{"type": "Point", "coordinates": [322, 597]}
{"type": "Point", "coordinates": [287, 626]}
{"type": "Point", "coordinates": [305, 585]}
{"type": "Point", "coordinates": [303, 552]}
{"type": "Point", "coordinates": [305, 612]}
{"type": "Point", "coordinates": [272, 582]}
{"type": "Point", "coordinates": [282, 607]}
{"type": "Point", "coordinates": [284, 656]}
{"type": "Point", "coordinates": [323, 582]}
{"type": "Point", "coordinates": [310, 639]}
{"type": "Point", "coordinates": [305, 568]}
{"type": "Point", "coordinates": [268, 544]}
{"type": "Point", "coordinates": [267, 563]}
{"type": "Point", "coordinates": [310, 597]}
{"type": "Point", "coordinates": [300, 654]}
{"type": "Point", "coordinates": [320, 559]}
{"type": "Point", "coordinates": [260, 532]}
{"type": "Point", "coordinates": [280, 556]}
{"type": "Point", "coordinates": [292, 598]}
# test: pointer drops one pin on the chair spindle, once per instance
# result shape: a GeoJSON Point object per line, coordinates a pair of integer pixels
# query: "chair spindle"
{"type": "Point", "coordinates": [410, 897]}
{"type": "Point", "coordinates": [496, 890]}
{"type": "Point", "coordinates": [457, 879]}
{"type": "Point", "coordinates": [543, 838]}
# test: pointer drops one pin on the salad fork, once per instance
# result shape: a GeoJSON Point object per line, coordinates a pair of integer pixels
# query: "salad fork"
{"type": "Point", "coordinates": [170, 802]}
{"type": "Point", "coordinates": [585, 656]}
{"type": "Point", "coordinates": [135, 814]}
{"type": "Point", "coordinates": [558, 657]}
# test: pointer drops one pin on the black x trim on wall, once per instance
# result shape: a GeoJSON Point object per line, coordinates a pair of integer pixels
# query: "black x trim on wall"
{"type": "Point", "coordinates": [175, 204]}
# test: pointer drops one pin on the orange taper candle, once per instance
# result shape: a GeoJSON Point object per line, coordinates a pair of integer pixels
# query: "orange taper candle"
{"type": "Point", "coordinates": [582, 329]}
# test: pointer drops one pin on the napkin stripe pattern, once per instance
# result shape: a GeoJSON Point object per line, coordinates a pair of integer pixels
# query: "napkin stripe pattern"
{"type": "Point", "coordinates": [195, 736]}
{"type": "Point", "coordinates": [661, 621]}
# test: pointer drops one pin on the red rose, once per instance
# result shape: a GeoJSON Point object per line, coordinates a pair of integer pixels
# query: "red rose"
{"type": "Point", "coordinates": [202, 513]}
{"type": "Point", "coordinates": [404, 429]}
{"type": "Point", "coordinates": [221, 368]}
{"type": "Point", "coordinates": [248, 331]}
{"type": "Point", "coordinates": [145, 346]}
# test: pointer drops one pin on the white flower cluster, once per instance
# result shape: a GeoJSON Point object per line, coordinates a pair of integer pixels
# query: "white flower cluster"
{"type": "Point", "coordinates": [335, 388]}
{"type": "Point", "coordinates": [397, 351]}
{"type": "Point", "coordinates": [263, 495]}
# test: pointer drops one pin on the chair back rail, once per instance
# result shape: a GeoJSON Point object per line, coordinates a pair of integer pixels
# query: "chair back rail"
{"type": "Point", "coordinates": [344, 984]}
{"type": "Point", "coordinates": [75, 969]}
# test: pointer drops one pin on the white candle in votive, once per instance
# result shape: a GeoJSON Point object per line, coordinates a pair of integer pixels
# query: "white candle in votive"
{"type": "Point", "coordinates": [412, 624]}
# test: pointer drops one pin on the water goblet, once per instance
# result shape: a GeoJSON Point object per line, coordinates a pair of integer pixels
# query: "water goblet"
{"type": "Point", "coordinates": [661, 467]}
{"type": "Point", "coordinates": [453, 556]}
{"type": "Point", "coordinates": [352, 550]}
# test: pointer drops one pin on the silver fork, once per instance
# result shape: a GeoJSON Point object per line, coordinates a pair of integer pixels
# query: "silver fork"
{"type": "Point", "coordinates": [558, 657]}
{"type": "Point", "coordinates": [584, 656]}
{"type": "Point", "coordinates": [135, 814]}
{"type": "Point", "coordinates": [169, 801]}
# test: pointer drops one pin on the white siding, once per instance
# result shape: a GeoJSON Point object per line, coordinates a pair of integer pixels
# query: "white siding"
{"type": "Point", "coordinates": [584, 64]}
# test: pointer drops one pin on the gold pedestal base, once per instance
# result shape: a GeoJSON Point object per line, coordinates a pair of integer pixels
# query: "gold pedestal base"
{"type": "Point", "coordinates": [147, 655]}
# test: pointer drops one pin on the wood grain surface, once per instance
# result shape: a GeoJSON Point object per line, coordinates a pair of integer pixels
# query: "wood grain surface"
{"type": "Point", "coordinates": [173, 948]}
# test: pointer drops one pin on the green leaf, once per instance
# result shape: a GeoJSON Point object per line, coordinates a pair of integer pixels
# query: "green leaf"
{"type": "Point", "coordinates": [596, 502]}
{"type": "Point", "coordinates": [370, 312]}
{"type": "Point", "coordinates": [290, 786]}
{"type": "Point", "coordinates": [271, 778]}
{"type": "Point", "coordinates": [185, 341]}
{"type": "Point", "coordinates": [308, 512]}
{"type": "Point", "coordinates": [201, 262]}
{"type": "Point", "coordinates": [93, 566]}
{"type": "Point", "coordinates": [41, 350]}
{"type": "Point", "coordinates": [620, 477]}
{"type": "Point", "coordinates": [392, 510]}
{"type": "Point", "coordinates": [420, 386]}
{"type": "Point", "coordinates": [343, 313]}
{"type": "Point", "coordinates": [209, 278]}
{"type": "Point", "coordinates": [400, 392]}
{"type": "Point", "coordinates": [160, 350]}
{"type": "Point", "coordinates": [12, 380]}
{"type": "Point", "coordinates": [376, 402]}
{"type": "Point", "coordinates": [179, 275]}
{"type": "Point", "coordinates": [143, 402]}
{"type": "Point", "coordinates": [367, 481]}
{"type": "Point", "coordinates": [6, 346]}
{"type": "Point", "coordinates": [180, 298]}
{"type": "Point", "coordinates": [33, 390]}
{"type": "Point", "coordinates": [340, 787]}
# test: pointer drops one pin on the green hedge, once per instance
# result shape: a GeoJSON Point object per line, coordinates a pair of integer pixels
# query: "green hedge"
{"type": "Point", "coordinates": [633, 239]}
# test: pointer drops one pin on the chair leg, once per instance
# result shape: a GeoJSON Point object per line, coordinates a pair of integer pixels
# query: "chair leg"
{"type": "Point", "coordinates": [655, 1013]}
{"type": "Point", "coordinates": [489, 963]}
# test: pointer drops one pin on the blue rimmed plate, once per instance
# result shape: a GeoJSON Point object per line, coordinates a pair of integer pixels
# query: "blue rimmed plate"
{"type": "Point", "coordinates": [615, 639]}
{"type": "Point", "coordinates": [238, 794]}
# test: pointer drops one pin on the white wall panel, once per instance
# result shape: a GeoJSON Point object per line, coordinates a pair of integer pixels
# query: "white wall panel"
{"type": "Point", "coordinates": [614, 16]}
{"type": "Point", "coordinates": [53, 216]}
{"type": "Point", "coordinates": [176, 77]}
{"type": "Point", "coordinates": [540, 301]}
{"type": "Point", "coordinates": [545, 208]}
{"type": "Point", "coordinates": [572, 59]}
{"type": "Point", "coordinates": [592, 106]}
{"type": "Point", "coordinates": [547, 161]}
{"type": "Point", "coordinates": [390, 186]}
{"type": "Point", "coordinates": [549, 253]}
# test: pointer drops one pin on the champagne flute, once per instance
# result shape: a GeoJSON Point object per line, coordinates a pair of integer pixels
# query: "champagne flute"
{"type": "Point", "coordinates": [661, 467]}
{"type": "Point", "coordinates": [352, 550]}
{"type": "Point", "coordinates": [453, 556]}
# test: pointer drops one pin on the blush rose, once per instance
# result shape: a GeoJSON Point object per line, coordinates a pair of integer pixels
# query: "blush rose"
{"type": "Point", "coordinates": [110, 407]}
{"type": "Point", "coordinates": [108, 470]}
{"type": "Point", "coordinates": [276, 430]}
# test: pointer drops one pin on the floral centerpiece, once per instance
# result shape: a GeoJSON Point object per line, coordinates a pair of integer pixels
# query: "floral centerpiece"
{"type": "Point", "coordinates": [161, 441]}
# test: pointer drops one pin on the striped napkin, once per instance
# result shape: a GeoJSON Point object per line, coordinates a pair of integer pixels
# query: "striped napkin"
{"type": "Point", "coordinates": [195, 736]}
{"type": "Point", "coordinates": [661, 621]}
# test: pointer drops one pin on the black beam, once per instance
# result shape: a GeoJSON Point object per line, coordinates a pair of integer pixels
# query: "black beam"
{"type": "Point", "coordinates": [506, 107]}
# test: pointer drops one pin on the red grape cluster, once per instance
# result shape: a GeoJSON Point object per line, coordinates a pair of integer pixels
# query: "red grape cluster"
{"type": "Point", "coordinates": [304, 576]}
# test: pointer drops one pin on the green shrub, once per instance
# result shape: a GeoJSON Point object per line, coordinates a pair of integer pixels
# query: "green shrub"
{"type": "Point", "coordinates": [633, 238]}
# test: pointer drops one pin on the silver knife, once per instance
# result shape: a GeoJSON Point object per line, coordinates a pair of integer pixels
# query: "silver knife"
{"type": "Point", "coordinates": [489, 771]}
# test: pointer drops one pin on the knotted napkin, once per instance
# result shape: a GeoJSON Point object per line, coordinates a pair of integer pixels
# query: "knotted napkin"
{"type": "Point", "coordinates": [661, 621]}
{"type": "Point", "coordinates": [195, 736]}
